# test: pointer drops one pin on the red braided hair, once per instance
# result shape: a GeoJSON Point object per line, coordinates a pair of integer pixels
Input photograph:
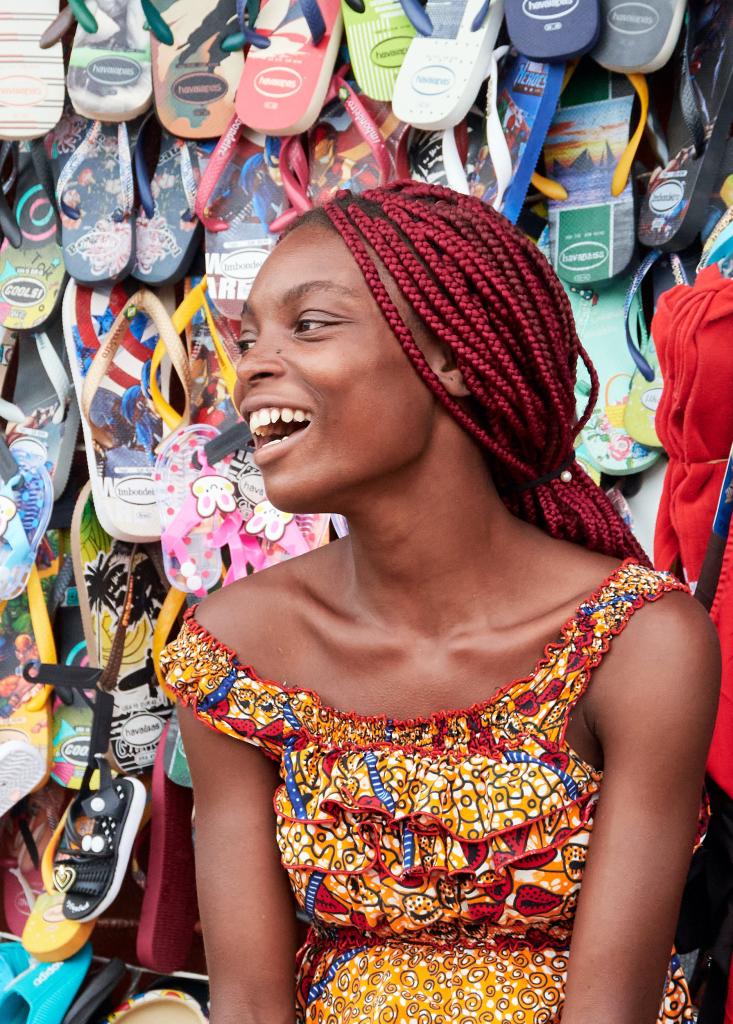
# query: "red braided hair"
{"type": "Point", "coordinates": [485, 290]}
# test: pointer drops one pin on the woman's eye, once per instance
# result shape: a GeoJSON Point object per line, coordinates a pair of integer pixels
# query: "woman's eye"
{"type": "Point", "coordinates": [306, 325]}
{"type": "Point", "coordinates": [245, 344]}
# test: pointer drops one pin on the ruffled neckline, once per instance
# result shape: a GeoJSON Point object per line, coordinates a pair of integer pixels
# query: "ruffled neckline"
{"type": "Point", "coordinates": [436, 718]}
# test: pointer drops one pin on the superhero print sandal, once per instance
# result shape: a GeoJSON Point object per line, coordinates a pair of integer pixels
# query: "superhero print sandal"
{"type": "Point", "coordinates": [95, 194]}
{"type": "Point", "coordinates": [520, 104]}
{"type": "Point", "coordinates": [553, 30]}
{"type": "Point", "coordinates": [194, 79]}
{"type": "Point", "coordinates": [110, 575]}
{"type": "Point", "coordinates": [589, 153]}
{"type": "Point", "coordinates": [109, 77]}
{"type": "Point", "coordinates": [675, 205]}
{"type": "Point", "coordinates": [111, 340]}
{"type": "Point", "coordinates": [287, 72]}
{"type": "Point", "coordinates": [32, 91]}
{"type": "Point", "coordinates": [639, 37]}
{"type": "Point", "coordinates": [213, 351]}
{"type": "Point", "coordinates": [446, 64]}
{"type": "Point", "coordinates": [357, 143]}
{"type": "Point", "coordinates": [44, 418]}
{"type": "Point", "coordinates": [378, 34]}
{"type": "Point", "coordinates": [599, 319]}
{"type": "Point", "coordinates": [426, 150]}
{"type": "Point", "coordinates": [167, 232]}
{"type": "Point", "coordinates": [240, 197]}
{"type": "Point", "coordinates": [32, 273]}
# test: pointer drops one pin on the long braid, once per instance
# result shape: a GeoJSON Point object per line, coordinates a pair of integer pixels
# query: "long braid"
{"type": "Point", "coordinates": [486, 292]}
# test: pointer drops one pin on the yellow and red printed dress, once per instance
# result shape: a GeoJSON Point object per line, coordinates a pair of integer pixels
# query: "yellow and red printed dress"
{"type": "Point", "coordinates": [440, 859]}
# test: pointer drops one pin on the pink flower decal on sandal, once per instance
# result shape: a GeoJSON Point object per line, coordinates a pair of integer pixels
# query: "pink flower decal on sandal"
{"type": "Point", "coordinates": [213, 492]}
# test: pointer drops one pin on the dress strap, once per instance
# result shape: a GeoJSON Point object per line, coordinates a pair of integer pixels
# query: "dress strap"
{"type": "Point", "coordinates": [543, 705]}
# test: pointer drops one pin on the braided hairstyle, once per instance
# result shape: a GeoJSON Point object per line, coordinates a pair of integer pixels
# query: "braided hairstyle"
{"type": "Point", "coordinates": [485, 291]}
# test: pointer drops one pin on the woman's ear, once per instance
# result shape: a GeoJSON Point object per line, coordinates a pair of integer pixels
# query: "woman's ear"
{"type": "Point", "coordinates": [441, 361]}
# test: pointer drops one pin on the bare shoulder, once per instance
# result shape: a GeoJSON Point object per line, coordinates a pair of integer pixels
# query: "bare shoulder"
{"type": "Point", "coordinates": [261, 616]}
{"type": "Point", "coordinates": [662, 674]}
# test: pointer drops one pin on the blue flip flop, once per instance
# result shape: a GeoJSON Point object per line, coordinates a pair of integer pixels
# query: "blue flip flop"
{"type": "Point", "coordinates": [553, 30]}
{"type": "Point", "coordinates": [39, 993]}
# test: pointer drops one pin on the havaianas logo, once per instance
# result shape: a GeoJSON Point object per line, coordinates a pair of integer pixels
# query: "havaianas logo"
{"type": "Point", "coordinates": [390, 53]}
{"type": "Point", "coordinates": [21, 91]}
{"type": "Point", "coordinates": [115, 70]}
{"type": "Point", "coordinates": [543, 10]}
{"type": "Point", "coordinates": [199, 87]}
{"type": "Point", "coordinates": [632, 18]}
{"type": "Point", "coordinates": [581, 256]}
{"type": "Point", "coordinates": [433, 80]}
{"type": "Point", "coordinates": [278, 82]}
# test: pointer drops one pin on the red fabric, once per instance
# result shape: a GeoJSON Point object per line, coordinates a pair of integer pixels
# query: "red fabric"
{"type": "Point", "coordinates": [693, 335]}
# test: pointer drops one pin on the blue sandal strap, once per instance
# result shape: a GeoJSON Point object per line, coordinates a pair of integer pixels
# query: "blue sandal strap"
{"type": "Point", "coordinates": [417, 16]}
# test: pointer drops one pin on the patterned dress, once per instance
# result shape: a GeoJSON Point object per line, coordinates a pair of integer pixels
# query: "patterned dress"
{"type": "Point", "coordinates": [439, 859]}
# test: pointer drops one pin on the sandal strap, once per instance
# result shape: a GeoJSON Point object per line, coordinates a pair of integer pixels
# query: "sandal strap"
{"type": "Point", "coordinates": [689, 100]}
{"type": "Point", "coordinates": [157, 23]}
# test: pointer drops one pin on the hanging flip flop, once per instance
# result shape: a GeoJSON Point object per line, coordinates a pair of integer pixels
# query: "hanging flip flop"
{"type": "Point", "coordinates": [636, 36]}
{"type": "Point", "coordinates": [96, 993]}
{"type": "Point", "coordinates": [32, 271]}
{"type": "Point", "coordinates": [378, 34]}
{"type": "Point", "coordinates": [193, 502]}
{"type": "Point", "coordinates": [194, 79]}
{"type": "Point", "coordinates": [357, 143]}
{"type": "Point", "coordinates": [95, 193]}
{"type": "Point", "coordinates": [240, 196]}
{"type": "Point", "coordinates": [109, 75]}
{"type": "Point", "coordinates": [44, 418]}
{"type": "Point", "coordinates": [32, 825]}
{"type": "Point", "coordinates": [167, 231]}
{"type": "Point", "coordinates": [169, 911]}
{"type": "Point", "coordinates": [212, 343]}
{"type": "Point", "coordinates": [589, 156]}
{"type": "Point", "coordinates": [675, 205]}
{"type": "Point", "coordinates": [73, 708]}
{"type": "Point", "coordinates": [26, 501]}
{"type": "Point", "coordinates": [599, 318]}
{"type": "Point", "coordinates": [288, 70]}
{"type": "Point", "coordinates": [32, 83]}
{"type": "Point", "coordinates": [111, 340]}
{"type": "Point", "coordinates": [646, 387]}
{"type": "Point", "coordinates": [110, 575]}
{"type": "Point", "coordinates": [553, 30]}
{"type": "Point", "coordinates": [447, 62]}
{"type": "Point", "coordinates": [520, 103]}
{"type": "Point", "coordinates": [39, 994]}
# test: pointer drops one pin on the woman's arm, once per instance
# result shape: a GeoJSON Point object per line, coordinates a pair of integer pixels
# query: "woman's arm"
{"type": "Point", "coordinates": [652, 704]}
{"type": "Point", "coordinates": [247, 909]}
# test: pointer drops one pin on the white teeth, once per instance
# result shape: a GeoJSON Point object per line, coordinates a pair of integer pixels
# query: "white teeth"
{"type": "Point", "coordinates": [265, 417]}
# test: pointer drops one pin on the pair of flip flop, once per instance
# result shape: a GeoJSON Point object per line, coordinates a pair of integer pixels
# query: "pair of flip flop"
{"type": "Point", "coordinates": [103, 237]}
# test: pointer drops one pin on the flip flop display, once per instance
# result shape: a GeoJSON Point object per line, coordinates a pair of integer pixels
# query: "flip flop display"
{"type": "Point", "coordinates": [152, 155]}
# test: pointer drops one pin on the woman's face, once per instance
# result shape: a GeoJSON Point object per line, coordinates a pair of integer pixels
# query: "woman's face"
{"type": "Point", "coordinates": [315, 343]}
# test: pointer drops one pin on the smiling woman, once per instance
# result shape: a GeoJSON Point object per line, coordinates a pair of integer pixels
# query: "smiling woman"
{"type": "Point", "coordinates": [408, 360]}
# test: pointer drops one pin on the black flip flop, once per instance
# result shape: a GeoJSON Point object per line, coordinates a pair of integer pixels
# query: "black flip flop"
{"type": "Point", "coordinates": [89, 1006]}
{"type": "Point", "coordinates": [676, 203]}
